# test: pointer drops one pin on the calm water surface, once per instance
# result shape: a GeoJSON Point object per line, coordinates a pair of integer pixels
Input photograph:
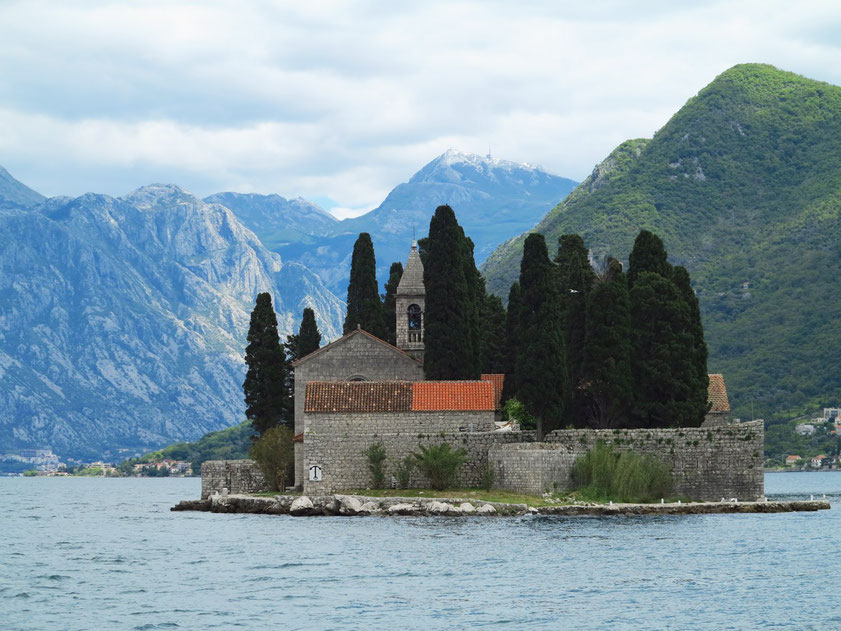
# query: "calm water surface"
{"type": "Point", "coordinates": [108, 554]}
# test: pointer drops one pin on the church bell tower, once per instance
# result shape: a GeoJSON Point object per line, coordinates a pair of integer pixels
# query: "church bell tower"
{"type": "Point", "coordinates": [410, 305]}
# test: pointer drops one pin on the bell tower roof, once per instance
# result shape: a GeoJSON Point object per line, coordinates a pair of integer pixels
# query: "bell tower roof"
{"type": "Point", "coordinates": [411, 282]}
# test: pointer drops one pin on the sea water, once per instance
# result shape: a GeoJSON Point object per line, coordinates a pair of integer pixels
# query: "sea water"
{"type": "Point", "coordinates": [108, 554]}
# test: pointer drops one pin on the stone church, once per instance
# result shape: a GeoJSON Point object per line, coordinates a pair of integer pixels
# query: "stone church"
{"type": "Point", "coordinates": [360, 389]}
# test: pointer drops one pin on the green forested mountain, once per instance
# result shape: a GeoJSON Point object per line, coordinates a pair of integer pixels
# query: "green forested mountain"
{"type": "Point", "coordinates": [744, 186]}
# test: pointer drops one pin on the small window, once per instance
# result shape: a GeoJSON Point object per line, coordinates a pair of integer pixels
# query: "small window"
{"type": "Point", "coordinates": [415, 317]}
{"type": "Point", "coordinates": [357, 378]}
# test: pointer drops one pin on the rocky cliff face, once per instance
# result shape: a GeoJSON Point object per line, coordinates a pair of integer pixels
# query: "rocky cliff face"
{"type": "Point", "coordinates": [123, 321]}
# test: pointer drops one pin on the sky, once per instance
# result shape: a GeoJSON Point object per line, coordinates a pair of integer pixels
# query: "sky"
{"type": "Point", "coordinates": [339, 102]}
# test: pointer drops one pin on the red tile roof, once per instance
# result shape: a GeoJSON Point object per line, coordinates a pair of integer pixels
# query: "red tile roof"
{"type": "Point", "coordinates": [717, 394]}
{"type": "Point", "coordinates": [399, 396]}
{"type": "Point", "coordinates": [452, 395]}
{"type": "Point", "coordinates": [497, 380]}
{"type": "Point", "coordinates": [358, 396]}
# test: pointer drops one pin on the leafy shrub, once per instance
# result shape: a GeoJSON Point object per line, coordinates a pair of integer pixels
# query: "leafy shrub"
{"type": "Point", "coordinates": [274, 454]}
{"type": "Point", "coordinates": [403, 472]}
{"type": "Point", "coordinates": [516, 411]}
{"type": "Point", "coordinates": [376, 464]}
{"type": "Point", "coordinates": [603, 474]}
{"type": "Point", "coordinates": [440, 463]}
{"type": "Point", "coordinates": [487, 476]}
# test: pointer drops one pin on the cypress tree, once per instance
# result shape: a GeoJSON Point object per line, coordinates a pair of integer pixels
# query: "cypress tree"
{"type": "Point", "coordinates": [575, 277]}
{"type": "Point", "coordinates": [450, 348]}
{"type": "Point", "coordinates": [475, 296]}
{"type": "Point", "coordinates": [606, 386]}
{"type": "Point", "coordinates": [662, 368]}
{"type": "Point", "coordinates": [363, 300]}
{"type": "Point", "coordinates": [493, 321]}
{"type": "Point", "coordinates": [541, 374]}
{"type": "Point", "coordinates": [647, 255]}
{"type": "Point", "coordinates": [267, 398]}
{"type": "Point", "coordinates": [390, 302]}
{"type": "Point", "coordinates": [697, 352]}
{"type": "Point", "coordinates": [513, 346]}
{"type": "Point", "coordinates": [309, 337]}
{"type": "Point", "coordinates": [307, 340]}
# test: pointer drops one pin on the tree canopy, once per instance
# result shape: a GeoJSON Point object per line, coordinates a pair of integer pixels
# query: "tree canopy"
{"type": "Point", "coordinates": [541, 374]}
{"type": "Point", "coordinates": [450, 339]}
{"type": "Point", "coordinates": [267, 398]}
{"type": "Point", "coordinates": [363, 299]}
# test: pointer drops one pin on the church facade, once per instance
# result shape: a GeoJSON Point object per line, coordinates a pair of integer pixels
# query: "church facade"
{"type": "Point", "coordinates": [360, 389]}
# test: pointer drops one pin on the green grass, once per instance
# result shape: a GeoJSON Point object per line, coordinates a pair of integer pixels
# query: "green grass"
{"type": "Point", "coordinates": [494, 495]}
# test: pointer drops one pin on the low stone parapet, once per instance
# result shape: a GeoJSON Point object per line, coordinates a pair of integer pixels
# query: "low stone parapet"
{"type": "Point", "coordinates": [231, 476]}
{"type": "Point", "coordinates": [706, 463]}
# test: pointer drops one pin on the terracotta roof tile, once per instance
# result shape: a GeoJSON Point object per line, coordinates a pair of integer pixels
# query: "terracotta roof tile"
{"type": "Point", "coordinates": [358, 396]}
{"type": "Point", "coordinates": [497, 380]}
{"type": "Point", "coordinates": [452, 395]}
{"type": "Point", "coordinates": [717, 394]}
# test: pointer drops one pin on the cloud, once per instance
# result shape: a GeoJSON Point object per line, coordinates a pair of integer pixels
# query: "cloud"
{"type": "Point", "coordinates": [344, 100]}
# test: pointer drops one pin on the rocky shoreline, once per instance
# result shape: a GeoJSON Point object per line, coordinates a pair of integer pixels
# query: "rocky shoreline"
{"type": "Point", "coordinates": [358, 505]}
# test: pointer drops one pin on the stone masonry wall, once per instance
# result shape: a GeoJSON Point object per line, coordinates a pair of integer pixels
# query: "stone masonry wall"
{"type": "Point", "coordinates": [707, 463]}
{"type": "Point", "coordinates": [345, 466]}
{"type": "Point", "coordinates": [238, 476]}
{"type": "Point", "coordinates": [336, 442]}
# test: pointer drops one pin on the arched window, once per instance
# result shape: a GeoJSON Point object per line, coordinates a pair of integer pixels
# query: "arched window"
{"type": "Point", "coordinates": [415, 317]}
{"type": "Point", "coordinates": [357, 378]}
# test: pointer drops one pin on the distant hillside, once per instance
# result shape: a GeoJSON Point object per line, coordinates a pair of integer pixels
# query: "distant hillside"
{"type": "Point", "coordinates": [494, 200]}
{"type": "Point", "coordinates": [124, 321]}
{"type": "Point", "coordinates": [744, 186]}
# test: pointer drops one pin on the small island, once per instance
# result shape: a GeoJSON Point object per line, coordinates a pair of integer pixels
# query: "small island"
{"type": "Point", "coordinates": [588, 395]}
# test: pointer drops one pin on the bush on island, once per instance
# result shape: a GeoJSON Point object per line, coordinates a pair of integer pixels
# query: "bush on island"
{"type": "Point", "coordinates": [440, 463]}
{"type": "Point", "coordinates": [274, 454]}
{"type": "Point", "coordinates": [603, 474]}
{"type": "Point", "coordinates": [376, 464]}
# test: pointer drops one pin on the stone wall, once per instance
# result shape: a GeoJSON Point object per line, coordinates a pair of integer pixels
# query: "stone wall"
{"type": "Point", "coordinates": [707, 463]}
{"type": "Point", "coordinates": [341, 455]}
{"type": "Point", "coordinates": [238, 476]}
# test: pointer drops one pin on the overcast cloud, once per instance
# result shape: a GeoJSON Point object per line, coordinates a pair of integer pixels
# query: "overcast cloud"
{"type": "Point", "coordinates": [340, 102]}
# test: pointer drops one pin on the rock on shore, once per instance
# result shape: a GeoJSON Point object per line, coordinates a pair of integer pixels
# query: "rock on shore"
{"type": "Point", "coordinates": [353, 505]}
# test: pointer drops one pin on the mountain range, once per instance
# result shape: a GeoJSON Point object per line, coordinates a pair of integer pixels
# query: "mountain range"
{"type": "Point", "coordinates": [123, 320]}
{"type": "Point", "coordinates": [494, 199]}
{"type": "Point", "coordinates": [743, 184]}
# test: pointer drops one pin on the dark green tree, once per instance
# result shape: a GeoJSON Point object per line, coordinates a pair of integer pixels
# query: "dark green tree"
{"type": "Point", "coordinates": [575, 277]}
{"type": "Point", "coordinates": [475, 297]}
{"type": "Point", "coordinates": [647, 255]}
{"type": "Point", "coordinates": [390, 302]}
{"type": "Point", "coordinates": [308, 338]}
{"type": "Point", "coordinates": [699, 385]}
{"type": "Point", "coordinates": [493, 319]}
{"type": "Point", "coordinates": [513, 346]}
{"type": "Point", "coordinates": [541, 374]}
{"type": "Point", "coordinates": [662, 369]}
{"type": "Point", "coordinates": [363, 300]}
{"type": "Point", "coordinates": [606, 385]}
{"type": "Point", "coordinates": [267, 398]}
{"type": "Point", "coordinates": [450, 348]}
